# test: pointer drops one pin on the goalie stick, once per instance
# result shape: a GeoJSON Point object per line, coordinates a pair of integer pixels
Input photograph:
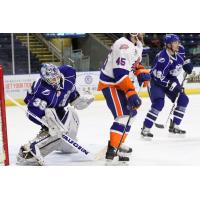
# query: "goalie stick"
{"type": "Point", "coordinates": [173, 106]}
{"type": "Point", "coordinates": [65, 137]}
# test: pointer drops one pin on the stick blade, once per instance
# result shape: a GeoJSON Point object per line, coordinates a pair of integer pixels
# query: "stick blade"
{"type": "Point", "coordinates": [101, 154]}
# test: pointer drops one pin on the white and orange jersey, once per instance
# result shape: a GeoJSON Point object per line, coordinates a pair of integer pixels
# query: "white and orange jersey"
{"type": "Point", "coordinates": [119, 63]}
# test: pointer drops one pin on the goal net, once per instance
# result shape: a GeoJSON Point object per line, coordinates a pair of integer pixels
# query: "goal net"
{"type": "Point", "coordinates": [4, 158]}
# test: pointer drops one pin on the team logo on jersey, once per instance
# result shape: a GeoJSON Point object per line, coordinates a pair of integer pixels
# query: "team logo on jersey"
{"type": "Point", "coordinates": [176, 71]}
{"type": "Point", "coordinates": [124, 46]}
{"type": "Point", "coordinates": [161, 60]}
{"type": "Point", "coordinates": [46, 92]}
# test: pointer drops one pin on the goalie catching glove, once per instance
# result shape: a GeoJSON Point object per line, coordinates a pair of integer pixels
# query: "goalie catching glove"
{"type": "Point", "coordinates": [82, 102]}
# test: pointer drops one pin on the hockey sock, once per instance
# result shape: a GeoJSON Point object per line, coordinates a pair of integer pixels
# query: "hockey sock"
{"type": "Point", "coordinates": [178, 114]}
{"type": "Point", "coordinates": [151, 117]}
{"type": "Point", "coordinates": [116, 133]}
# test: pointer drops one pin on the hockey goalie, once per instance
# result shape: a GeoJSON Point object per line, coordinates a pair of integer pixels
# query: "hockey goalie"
{"type": "Point", "coordinates": [48, 99]}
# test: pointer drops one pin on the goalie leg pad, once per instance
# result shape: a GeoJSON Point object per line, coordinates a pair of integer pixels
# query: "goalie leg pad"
{"type": "Point", "coordinates": [62, 120]}
{"type": "Point", "coordinates": [30, 153]}
{"type": "Point", "coordinates": [35, 150]}
{"type": "Point", "coordinates": [68, 120]}
{"type": "Point", "coordinates": [54, 123]}
{"type": "Point", "coordinates": [45, 143]}
{"type": "Point", "coordinates": [72, 125]}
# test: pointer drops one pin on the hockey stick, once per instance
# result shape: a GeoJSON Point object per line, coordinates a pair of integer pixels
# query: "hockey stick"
{"type": "Point", "coordinates": [66, 138]}
{"type": "Point", "coordinates": [129, 118]}
{"type": "Point", "coordinates": [173, 106]}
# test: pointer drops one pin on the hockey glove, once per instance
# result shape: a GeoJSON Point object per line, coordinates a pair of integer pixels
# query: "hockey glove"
{"type": "Point", "coordinates": [143, 78]}
{"type": "Point", "coordinates": [175, 87]}
{"type": "Point", "coordinates": [188, 66]}
{"type": "Point", "coordinates": [142, 74]}
{"type": "Point", "coordinates": [134, 101]}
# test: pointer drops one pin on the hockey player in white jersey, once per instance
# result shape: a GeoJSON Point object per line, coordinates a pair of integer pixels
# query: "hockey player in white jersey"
{"type": "Point", "coordinates": [119, 91]}
{"type": "Point", "coordinates": [48, 99]}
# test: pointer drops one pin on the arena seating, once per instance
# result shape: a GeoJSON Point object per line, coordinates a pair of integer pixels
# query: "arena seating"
{"type": "Point", "coordinates": [21, 56]}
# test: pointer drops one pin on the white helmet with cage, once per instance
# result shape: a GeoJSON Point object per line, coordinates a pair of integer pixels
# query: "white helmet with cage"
{"type": "Point", "coordinates": [50, 74]}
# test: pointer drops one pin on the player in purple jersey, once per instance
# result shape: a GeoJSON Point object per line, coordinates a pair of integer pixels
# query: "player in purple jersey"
{"type": "Point", "coordinates": [164, 82]}
{"type": "Point", "coordinates": [48, 99]}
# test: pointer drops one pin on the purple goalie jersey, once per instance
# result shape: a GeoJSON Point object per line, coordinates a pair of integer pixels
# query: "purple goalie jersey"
{"type": "Point", "coordinates": [42, 95]}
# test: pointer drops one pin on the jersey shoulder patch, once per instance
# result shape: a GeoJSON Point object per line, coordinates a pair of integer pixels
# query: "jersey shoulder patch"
{"type": "Point", "coordinates": [121, 43]}
{"type": "Point", "coordinates": [163, 57]}
{"type": "Point", "coordinates": [46, 92]}
{"type": "Point", "coordinates": [161, 60]}
{"type": "Point", "coordinates": [36, 85]}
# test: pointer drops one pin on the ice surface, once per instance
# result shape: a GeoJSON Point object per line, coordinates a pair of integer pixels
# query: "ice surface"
{"type": "Point", "coordinates": [94, 134]}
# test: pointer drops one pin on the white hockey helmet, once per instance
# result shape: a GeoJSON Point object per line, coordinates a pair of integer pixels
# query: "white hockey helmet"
{"type": "Point", "coordinates": [50, 74]}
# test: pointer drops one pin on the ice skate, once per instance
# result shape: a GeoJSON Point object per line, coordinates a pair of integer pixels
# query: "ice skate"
{"type": "Point", "coordinates": [174, 129]}
{"type": "Point", "coordinates": [146, 134]}
{"type": "Point", "coordinates": [111, 154]}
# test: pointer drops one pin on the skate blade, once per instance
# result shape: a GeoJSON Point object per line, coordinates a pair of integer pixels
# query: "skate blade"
{"type": "Point", "coordinates": [146, 138]}
{"type": "Point", "coordinates": [116, 162]}
{"type": "Point", "coordinates": [127, 154]}
{"type": "Point", "coordinates": [29, 162]}
{"type": "Point", "coordinates": [175, 135]}
{"type": "Point", "coordinates": [23, 162]}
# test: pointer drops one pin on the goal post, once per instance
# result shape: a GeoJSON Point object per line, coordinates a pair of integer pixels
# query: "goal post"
{"type": "Point", "coordinates": [4, 155]}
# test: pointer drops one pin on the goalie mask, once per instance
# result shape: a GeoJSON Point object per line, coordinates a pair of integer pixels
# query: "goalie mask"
{"type": "Point", "coordinates": [51, 74]}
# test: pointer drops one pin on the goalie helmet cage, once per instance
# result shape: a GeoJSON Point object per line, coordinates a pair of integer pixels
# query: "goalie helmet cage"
{"type": "Point", "coordinates": [4, 157]}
